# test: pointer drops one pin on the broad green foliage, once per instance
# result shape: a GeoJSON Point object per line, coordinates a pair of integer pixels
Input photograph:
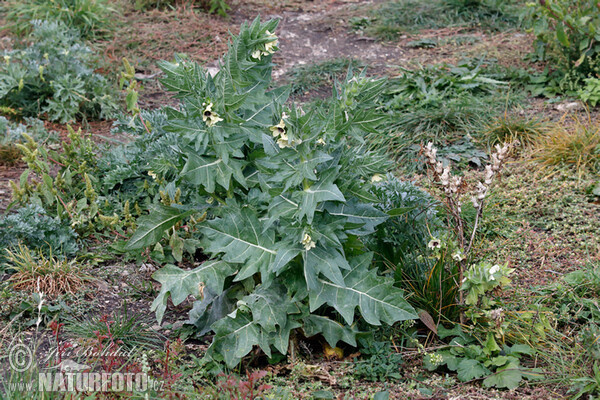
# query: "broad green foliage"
{"type": "Point", "coordinates": [567, 34]}
{"type": "Point", "coordinates": [471, 360]}
{"type": "Point", "coordinates": [288, 199]}
{"type": "Point", "coordinates": [54, 75]}
{"type": "Point", "coordinates": [481, 278]}
{"type": "Point", "coordinates": [590, 93]}
{"type": "Point", "coordinates": [90, 17]}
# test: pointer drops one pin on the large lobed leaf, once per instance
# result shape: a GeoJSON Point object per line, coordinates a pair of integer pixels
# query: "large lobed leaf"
{"type": "Point", "coordinates": [375, 296]}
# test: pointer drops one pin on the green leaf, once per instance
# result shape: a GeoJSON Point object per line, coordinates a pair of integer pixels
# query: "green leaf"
{"type": "Point", "coordinates": [329, 263]}
{"type": "Point", "coordinates": [322, 190]}
{"type": "Point", "coordinates": [509, 378]}
{"type": "Point", "coordinates": [208, 171]}
{"type": "Point", "coordinates": [365, 214]}
{"type": "Point", "coordinates": [268, 305]}
{"type": "Point", "coordinates": [471, 369]}
{"type": "Point", "coordinates": [561, 35]}
{"type": "Point", "coordinates": [375, 296]}
{"type": "Point", "coordinates": [239, 237]}
{"type": "Point", "coordinates": [179, 283]}
{"type": "Point", "coordinates": [332, 331]}
{"type": "Point", "coordinates": [235, 336]}
{"type": "Point", "coordinates": [152, 227]}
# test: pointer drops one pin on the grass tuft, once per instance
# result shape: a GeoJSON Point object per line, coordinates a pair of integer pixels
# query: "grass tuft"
{"type": "Point", "coordinates": [308, 77]}
{"type": "Point", "coordinates": [34, 272]}
{"type": "Point", "coordinates": [577, 145]}
{"type": "Point", "coordinates": [511, 127]}
{"type": "Point", "coordinates": [129, 329]}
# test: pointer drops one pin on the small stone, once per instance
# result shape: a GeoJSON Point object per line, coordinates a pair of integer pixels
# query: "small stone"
{"type": "Point", "coordinates": [569, 106]}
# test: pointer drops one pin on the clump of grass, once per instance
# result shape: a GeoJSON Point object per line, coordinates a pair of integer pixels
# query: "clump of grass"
{"type": "Point", "coordinates": [37, 272]}
{"type": "Point", "coordinates": [577, 145]}
{"type": "Point", "coordinates": [305, 78]}
{"type": "Point", "coordinates": [441, 104]}
{"type": "Point", "coordinates": [397, 17]}
{"type": "Point", "coordinates": [9, 154]}
{"type": "Point", "coordinates": [511, 127]}
{"type": "Point", "coordinates": [128, 329]}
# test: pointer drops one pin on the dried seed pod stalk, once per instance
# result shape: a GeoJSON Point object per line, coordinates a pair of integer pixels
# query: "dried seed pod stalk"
{"type": "Point", "coordinates": [454, 188]}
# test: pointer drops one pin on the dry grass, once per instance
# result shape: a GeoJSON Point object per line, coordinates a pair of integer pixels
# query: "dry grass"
{"type": "Point", "coordinates": [577, 144]}
{"type": "Point", "coordinates": [9, 154]}
{"type": "Point", "coordinates": [49, 275]}
{"type": "Point", "coordinates": [510, 128]}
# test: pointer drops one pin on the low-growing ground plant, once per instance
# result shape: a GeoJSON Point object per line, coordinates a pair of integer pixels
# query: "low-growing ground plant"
{"type": "Point", "coordinates": [282, 202]}
{"type": "Point", "coordinates": [395, 18]}
{"type": "Point", "coordinates": [54, 77]}
{"type": "Point", "coordinates": [130, 329]}
{"type": "Point", "coordinates": [33, 228]}
{"type": "Point", "coordinates": [308, 77]}
{"type": "Point", "coordinates": [92, 18]}
{"type": "Point", "coordinates": [441, 104]}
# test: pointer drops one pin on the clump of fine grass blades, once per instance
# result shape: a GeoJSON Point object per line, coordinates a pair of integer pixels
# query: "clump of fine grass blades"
{"type": "Point", "coordinates": [36, 272]}
{"type": "Point", "coordinates": [130, 329]}
{"type": "Point", "coordinates": [308, 77]}
{"type": "Point", "coordinates": [577, 145]}
{"type": "Point", "coordinates": [511, 128]}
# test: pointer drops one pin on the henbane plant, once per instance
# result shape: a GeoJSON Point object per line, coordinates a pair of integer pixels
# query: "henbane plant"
{"type": "Point", "coordinates": [281, 204]}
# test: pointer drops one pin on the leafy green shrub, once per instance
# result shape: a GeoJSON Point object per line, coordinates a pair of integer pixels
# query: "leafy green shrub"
{"type": "Point", "coordinates": [401, 244]}
{"type": "Point", "coordinates": [55, 75]}
{"type": "Point", "coordinates": [32, 227]}
{"type": "Point", "coordinates": [590, 93]}
{"type": "Point", "coordinates": [72, 192]}
{"type": "Point", "coordinates": [417, 221]}
{"type": "Point", "coordinates": [566, 35]}
{"type": "Point", "coordinates": [90, 17]}
{"type": "Point", "coordinates": [283, 198]}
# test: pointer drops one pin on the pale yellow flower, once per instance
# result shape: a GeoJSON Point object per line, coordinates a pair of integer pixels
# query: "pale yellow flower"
{"type": "Point", "coordinates": [209, 116]}
{"type": "Point", "coordinates": [376, 178]}
{"type": "Point", "coordinates": [307, 242]}
{"type": "Point", "coordinates": [278, 129]}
